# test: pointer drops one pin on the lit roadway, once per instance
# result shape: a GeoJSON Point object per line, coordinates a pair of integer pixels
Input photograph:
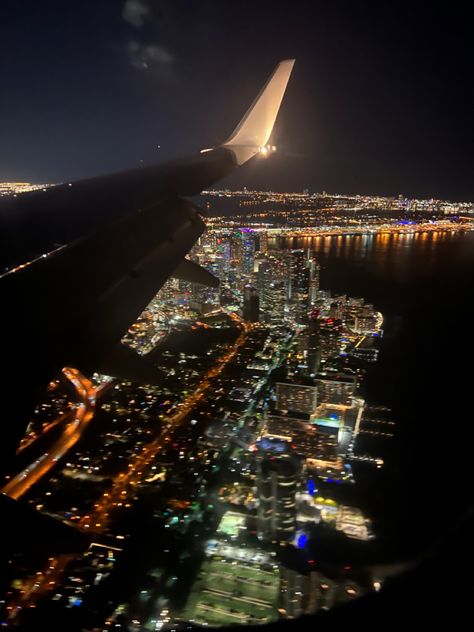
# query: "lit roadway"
{"type": "Point", "coordinates": [76, 422]}
{"type": "Point", "coordinates": [116, 496]}
{"type": "Point", "coordinates": [48, 579]}
{"type": "Point", "coordinates": [27, 441]}
{"type": "Point", "coordinates": [79, 417]}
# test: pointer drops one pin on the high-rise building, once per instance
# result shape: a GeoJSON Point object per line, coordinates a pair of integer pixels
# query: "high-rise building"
{"type": "Point", "coordinates": [313, 268]}
{"type": "Point", "coordinates": [306, 358]}
{"type": "Point", "coordinates": [251, 307]}
{"type": "Point", "coordinates": [293, 592]}
{"type": "Point", "coordinates": [235, 245]}
{"type": "Point", "coordinates": [313, 358]}
{"type": "Point", "coordinates": [277, 483]}
{"type": "Point", "coordinates": [293, 431]}
{"type": "Point", "coordinates": [304, 593]}
{"type": "Point", "coordinates": [223, 250]}
{"type": "Point", "coordinates": [272, 286]}
{"type": "Point", "coordinates": [249, 238]}
{"type": "Point", "coordinates": [243, 244]}
{"type": "Point", "coordinates": [264, 242]}
{"type": "Point", "coordinates": [329, 331]}
{"type": "Point", "coordinates": [337, 389]}
{"type": "Point", "coordinates": [298, 280]}
{"type": "Point", "coordinates": [296, 397]}
{"type": "Point", "coordinates": [308, 593]}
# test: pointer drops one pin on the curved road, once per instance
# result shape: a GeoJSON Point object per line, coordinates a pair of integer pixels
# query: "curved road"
{"type": "Point", "coordinates": [76, 422]}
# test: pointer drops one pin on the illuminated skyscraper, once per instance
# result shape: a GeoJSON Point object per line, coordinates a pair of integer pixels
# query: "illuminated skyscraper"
{"type": "Point", "coordinates": [243, 244]}
{"type": "Point", "coordinates": [307, 357]}
{"type": "Point", "coordinates": [313, 268]}
{"type": "Point", "coordinates": [288, 284]}
{"type": "Point", "coordinates": [304, 593]}
{"type": "Point", "coordinates": [251, 304]}
{"type": "Point", "coordinates": [272, 287]}
{"type": "Point", "coordinates": [296, 398]}
{"type": "Point", "coordinates": [329, 331]}
{"type": "Point", "coordinates": [277, 481]}
{"type": "Point", "coordinates": [249, 238]}
{"type": "Point", "coordinates": [308, 593]}
{"type": "Point", "coordinates": [223, 250]}
{"type": "Point", "coordinates": [298, 279]}
{"type": "Point", "coordinates": [338, 389]}
{"type": "Point", "coordinates": [263, 242]}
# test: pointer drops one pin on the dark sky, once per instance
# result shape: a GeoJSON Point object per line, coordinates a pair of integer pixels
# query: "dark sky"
{"type": "Point", "coordinates": [380, 100]}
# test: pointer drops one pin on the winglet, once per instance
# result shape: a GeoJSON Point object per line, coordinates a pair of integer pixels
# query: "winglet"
{"type": "Point", "coordinates": [253, 132]}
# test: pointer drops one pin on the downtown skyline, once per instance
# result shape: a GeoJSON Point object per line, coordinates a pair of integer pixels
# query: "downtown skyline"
{"type": "Point", "coordinates": [235, 385]}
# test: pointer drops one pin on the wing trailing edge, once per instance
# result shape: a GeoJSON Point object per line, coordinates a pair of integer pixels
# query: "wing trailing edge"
{"type": "Point", "coordinates": [124, 363]}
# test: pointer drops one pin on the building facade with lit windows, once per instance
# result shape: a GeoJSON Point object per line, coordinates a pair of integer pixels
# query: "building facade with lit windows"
{"type": "Point", "coordinates": [296, 397]}
{"type": "Point", "coordinates": [277, 484]}
{"type": "Point", "coordinates": [336, 389]}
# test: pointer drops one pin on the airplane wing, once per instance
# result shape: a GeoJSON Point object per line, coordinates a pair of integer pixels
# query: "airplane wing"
{"type": "Point", "coordinates": [37, 222]}
{"type": "Point", "coordinates": [125, 235]}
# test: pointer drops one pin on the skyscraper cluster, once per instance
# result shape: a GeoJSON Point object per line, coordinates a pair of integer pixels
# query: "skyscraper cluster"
{"type": "Point", "coordinates": [262, 284]}
{"type": "Point", "coordinates": [288, 456]}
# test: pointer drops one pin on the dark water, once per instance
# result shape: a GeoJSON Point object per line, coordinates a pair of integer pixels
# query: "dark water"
{"type": "Point", "coordinates": [423, 285]}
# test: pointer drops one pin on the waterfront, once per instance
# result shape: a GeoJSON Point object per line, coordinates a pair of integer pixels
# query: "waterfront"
{"type": "Point", "coordinates": [422, 285]}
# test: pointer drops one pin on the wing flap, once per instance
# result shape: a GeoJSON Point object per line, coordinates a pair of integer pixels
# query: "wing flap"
{"type": "Point", "coordinates": [93, 290]}
{"type": "Point", "coordinates": [124, 363]}
{"type": "Point", "coordinates": [193, 273]}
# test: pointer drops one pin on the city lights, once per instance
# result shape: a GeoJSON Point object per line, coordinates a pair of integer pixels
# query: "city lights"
{"type": "Point", "coordinates": [222, 431]}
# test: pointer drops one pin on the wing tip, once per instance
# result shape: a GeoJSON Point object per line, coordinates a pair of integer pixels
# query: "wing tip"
{"type": "Point", "coordinates": [255, 128]}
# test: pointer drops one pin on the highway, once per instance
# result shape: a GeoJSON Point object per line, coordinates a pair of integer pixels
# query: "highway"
{"type": "Point", "coordinates": [27, 441]}
{"type": "Point", "coordinates": [76, 421]}
{"type": "Point", "coordinates": [97, 521]}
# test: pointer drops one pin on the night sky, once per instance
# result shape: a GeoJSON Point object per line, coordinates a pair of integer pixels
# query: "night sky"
{"type": "Point", "coordinates": [380, 101]}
